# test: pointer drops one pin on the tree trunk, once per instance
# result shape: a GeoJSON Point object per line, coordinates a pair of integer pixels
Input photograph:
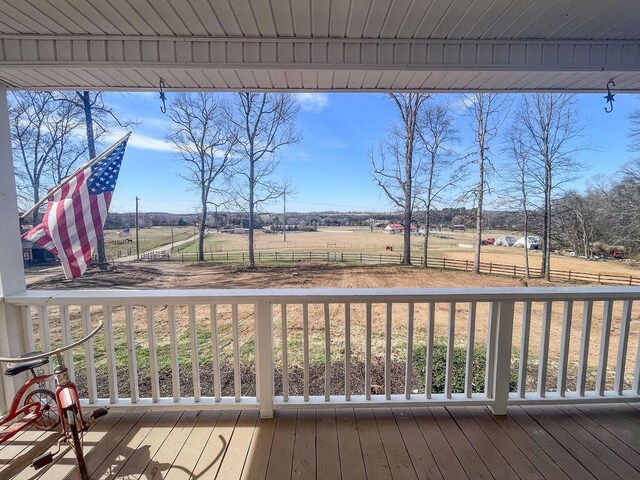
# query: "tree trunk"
{"type": "Point", "coordinates": [86, 101]}
{"type": "Point", "coordinates": [478, 242]}
{"type": "Point", "coordinates": [35, 216]}
{"type": "Point", "coordinates": [201, 233]}
{"type": "Point", "coordinates": [252, 262]}
{"type": "Point", "coordinates": [427, 227]}
{"type": "Point", "coordinates": [546, 257]}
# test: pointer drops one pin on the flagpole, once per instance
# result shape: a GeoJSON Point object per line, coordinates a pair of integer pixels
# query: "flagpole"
{"type": "Point", "coordinates": [70, 177]}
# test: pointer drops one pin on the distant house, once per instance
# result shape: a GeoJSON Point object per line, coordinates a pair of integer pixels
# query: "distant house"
{"type": "Point", "coordinates": [394, 228]}
{"type": "Point", "coordinates": [33, 254]}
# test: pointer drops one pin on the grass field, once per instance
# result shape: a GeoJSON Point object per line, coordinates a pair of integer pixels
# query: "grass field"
{"type": "Point", "coordinates": [457, 245]}
{"type": "Point", "coordinates": [149, 238]}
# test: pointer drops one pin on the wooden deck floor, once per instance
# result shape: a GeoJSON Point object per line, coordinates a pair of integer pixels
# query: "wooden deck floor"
{"type": "Point", "coordinates": [599, 441]}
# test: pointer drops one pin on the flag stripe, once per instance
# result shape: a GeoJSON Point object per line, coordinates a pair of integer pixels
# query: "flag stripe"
{"type": "Point", "coordinates": [75, 214]}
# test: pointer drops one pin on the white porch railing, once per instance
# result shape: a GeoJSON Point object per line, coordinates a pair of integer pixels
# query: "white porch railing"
{"type": "Point", "coordinates": [271, 349]}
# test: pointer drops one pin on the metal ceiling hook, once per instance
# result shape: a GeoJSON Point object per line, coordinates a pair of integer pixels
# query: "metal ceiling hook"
{"type": "Point", "coordinates": [163, 97]}
{"type": "Point", "coordinates": [609, 96]}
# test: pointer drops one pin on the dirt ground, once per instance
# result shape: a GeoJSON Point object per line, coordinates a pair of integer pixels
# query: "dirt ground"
{"type": "Point", "coordinates": [310, 275]}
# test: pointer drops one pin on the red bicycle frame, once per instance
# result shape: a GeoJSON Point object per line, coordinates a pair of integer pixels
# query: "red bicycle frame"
{"type": "Point", "coordinates": [33, 409]}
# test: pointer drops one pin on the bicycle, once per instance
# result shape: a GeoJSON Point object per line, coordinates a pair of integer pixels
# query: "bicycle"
{"type": "Point", "coordinates": [45, 409]}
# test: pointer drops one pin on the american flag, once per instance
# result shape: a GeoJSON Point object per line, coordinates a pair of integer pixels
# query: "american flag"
{"type": "Point", "coordinates": [75, 214]}
{"type": "Point", "coordinates": [123, 233]}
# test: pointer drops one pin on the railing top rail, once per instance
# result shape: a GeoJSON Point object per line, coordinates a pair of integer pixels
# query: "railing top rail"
{"type": "Point", "coordinates": [320, 295]}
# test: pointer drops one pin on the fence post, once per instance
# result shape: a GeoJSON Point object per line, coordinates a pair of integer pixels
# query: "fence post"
{"type": "Point", "coordinates": [342, 256]}
{"type": "Point", "coordinates": [466, 265]}
{"type": "Point", "coordinates": [444, 262]}
{"type": "Point", "coordinates": [630, 280]}
{"type": "Point", "coordinates": [569, 275]}
{"type": "Point", "coordinates": [182, 254]}
{"type": "Point", "coordinates": [380, 259]}
{"type": "Point", "coordinates": [490, 266]}
{"type": "Point", "coordinates": [264, 356]}
{"type": "Point", "coordinates": [502, 358]}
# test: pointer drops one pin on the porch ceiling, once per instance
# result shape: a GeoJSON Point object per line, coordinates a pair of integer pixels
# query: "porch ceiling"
{"type": "Point", "coordinates": [441, 45]}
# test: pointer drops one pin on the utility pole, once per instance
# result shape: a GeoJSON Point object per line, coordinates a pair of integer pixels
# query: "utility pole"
{"type": "Point", "coordinates": [171, 238]}
{"type": "Point", "coordinates": [284, 214]}
{"type": "Point", "coordinates": [137, 239]}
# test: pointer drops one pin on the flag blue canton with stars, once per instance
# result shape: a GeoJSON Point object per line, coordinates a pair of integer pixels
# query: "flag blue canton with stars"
{"type": "Point", "coordinates": [104, 173]}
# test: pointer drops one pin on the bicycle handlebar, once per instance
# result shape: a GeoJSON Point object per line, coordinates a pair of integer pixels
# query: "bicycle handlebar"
{"type": "Point", "coordinates": [52, 352]}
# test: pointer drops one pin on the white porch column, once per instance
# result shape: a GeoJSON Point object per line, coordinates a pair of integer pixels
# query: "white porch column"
{"type": "Point", "coordinates": [12, 280]}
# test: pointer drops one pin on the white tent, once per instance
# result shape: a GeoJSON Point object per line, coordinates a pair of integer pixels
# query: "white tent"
{"type": "Point", "coordinates": [505, 241]}
{"type": "Point", "coordinates": [532, 242]}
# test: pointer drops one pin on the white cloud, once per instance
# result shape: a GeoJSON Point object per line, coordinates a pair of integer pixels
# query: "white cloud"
{"type": "Point", "coordinates": [143, 142]}
{"type": "Point", "coordinates": [312, 102]}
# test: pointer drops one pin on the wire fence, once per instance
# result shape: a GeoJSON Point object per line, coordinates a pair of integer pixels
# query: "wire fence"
{"type": "Point", "coordinates": [395, 259]}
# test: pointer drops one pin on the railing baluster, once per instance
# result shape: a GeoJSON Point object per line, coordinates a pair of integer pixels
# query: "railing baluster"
{"type": "Point", "coordinates": [471, 331]}
{"type": "Point", "coordinates": [236, 353]}
{"type": "Point", "coordinates": [112, 371]}
{"type": "Point", "coordinates": [347, 351]}
{"type": "Point", "coordinates": [367, 353]}
{"type": "Point", "coordinates": [622, 346]}
{"type": "Point", "coordinates": [567, 315]}
{"type": "Point", "coordinates": [88, 351]}
{"type": "Point", "coordinates": [387, 353]}
{"type": "Point", "coordinates": [327, 353]}
{"type": "Point", "coordinates": [217, 386]}
{"type": "Point", "coordinates": [285, 353]}
{"type": "Point", "coordinates": [305, 348]}
{"type": "Point", "coordinates": [45, 334]}
{"type": "Point", "coordinates": [65, 325]}
{"type": "Point", "coordinates": [153, 353]}
{"type": "Point", "coordinates": [28, 319]}
{"type": "Point", "coordinates": [131, 353]}
{"type": "Point", "coordinates": [601, 379]}
{"type": "Point", "coordinates": [408, 374]}
{"type": "Point", "coordinates": [173, 338]}
{"type": "Point", "coordinates": [450, 344]}
{"type": "Point", "coordinates": [263, 316]}
{"type": "Point", "coordinates": [524, 349]}
{"type": "Point", "coordinates": [544, 348]}
{"type": "Point", "coordinates": [502, 357]}
{"type": "Point", "coordinates": [583, 363]}
{"type": "Point", "coordinates": [491, 342]}
{"type": "Point", "coordinates": [431, 318]}
{"type": "Point", "coordinates": [195, 358]}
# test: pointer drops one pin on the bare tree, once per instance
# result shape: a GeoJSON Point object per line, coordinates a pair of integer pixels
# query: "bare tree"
{"type": "Point", "coordinates": [484, 110]}
{"type": "Point", "coordinates": [204, 143]}
{"type": "Point", "coordinates": [442, 169]}
{"type": "Point", "coordinates": [264, 123]}
{"type": "Point", "coordinates": [394, 167]}
{"type": "Point", "coordinates": [288, 190]}
{"type": "Point", "coordinates": [42, 136]}
{"type": "Point", "coordinates": [550, 126]}
{"type": "Point", "coordinates": [519, 181]}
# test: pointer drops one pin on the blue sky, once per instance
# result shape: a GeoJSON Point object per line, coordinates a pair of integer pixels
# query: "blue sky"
{"type": "Point", "coordinates": [330, 166]}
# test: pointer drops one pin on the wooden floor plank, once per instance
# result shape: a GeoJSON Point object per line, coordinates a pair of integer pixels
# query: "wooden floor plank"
{"type": "Point", "coordinates": [110, 467]}
{"type": "Point", "coordinates": [236, 455]}
{"type": "Point", "coordinates": [216, 447]}
{"type": "Point", "coordinates": [443, 453]}
{"type": "Point", "coordinates": [191, 452]}
{"type": "Point", "coordinates": [572, 467]}
{"type": "Point", "coordinates": [577, 449]}
{"type": "Point", "coordinates": [467, 455]}
{"type": "Point", "coordinates": [281, 457]}
{"type": "Point", "coordinates": [528, 446]}
{"type": "Point", "coordinates": [137, 462]}
{"type": "Point", "coordinates": [255, 467]}
{"type": "Point", "coordinates": [304, 450]}
{"type": "Point", "coordinates": [617, 422]}
{"type": "Point", "coordinates": [164, 457]}
{"type": "Point", "coordinates": [486, 450]}
{"type": "Point", "coordinates": [375, 459]}
{"type": "Point", "coordinates": [351, 461]}
{"type": "Point", "coordinates": [328, 454]}
{"type": "Point", "coordinates": [19, 452]}
{"type": "Point", "coordinates": [605, 436]}
{"type": "Point", "coordinates": [588, 440]}
{"type": "Point", "coordinates": [423, 460]}
{"type": "Point", "coordinates": [505, 445]}
{"type": "Point", "coordinates": [397, 455]}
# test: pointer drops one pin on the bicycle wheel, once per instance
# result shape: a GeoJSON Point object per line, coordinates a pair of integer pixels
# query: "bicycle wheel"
{"type": "Point", "coordinates": [50, 416]}
{"type": "Point", "coordinates": [76, 442]}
